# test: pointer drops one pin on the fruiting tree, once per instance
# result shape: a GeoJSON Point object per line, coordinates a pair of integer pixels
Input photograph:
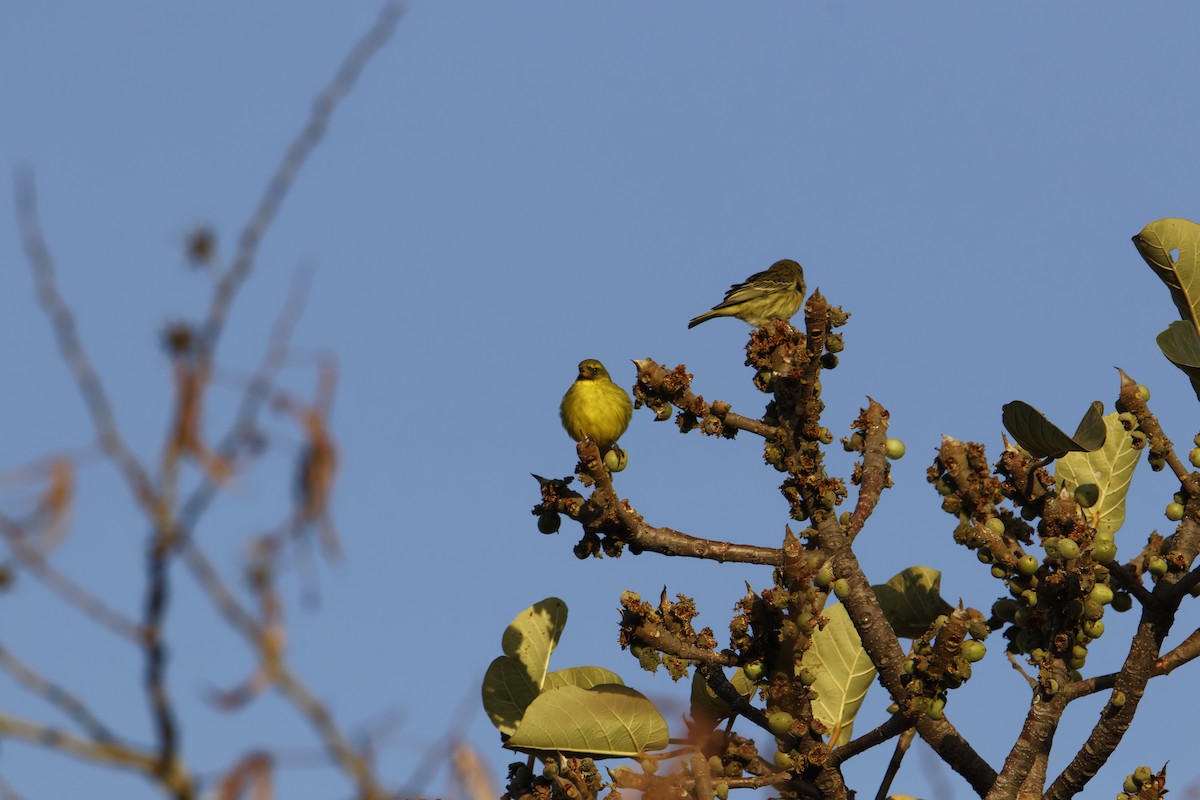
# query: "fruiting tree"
{"type": "Point", "coordinates": [797, 663]}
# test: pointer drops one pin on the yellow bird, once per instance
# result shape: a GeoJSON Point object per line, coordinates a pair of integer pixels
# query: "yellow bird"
{"type": "Point", "coordinates": [596, 407]}
{"type": "Point", "coordinates": [775, 293]}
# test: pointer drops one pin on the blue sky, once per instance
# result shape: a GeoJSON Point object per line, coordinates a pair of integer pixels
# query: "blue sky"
{"type": "Point", "coordinates": [515, 187]}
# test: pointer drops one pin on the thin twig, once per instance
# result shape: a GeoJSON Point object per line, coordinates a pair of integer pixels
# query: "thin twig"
{"type": "Point", "coordinates": [71, 592]}
{"type": "Point", "coordinates": [71, 345]}
{"type": "Point", "coordinates": [285, 174]}
{"type": "Point", "coordinates": [55, 695]}
{"type": "Point", "coordinates": [893, 767]}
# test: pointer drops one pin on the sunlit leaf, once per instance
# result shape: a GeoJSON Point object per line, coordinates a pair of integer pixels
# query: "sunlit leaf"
{"type": "Point", "coordinates": [1043, 439]}
{"type": "Point", "coordinates": [1110, 468]}
{"type": "Point", "coordinates": [507, 692]}
{"type": "Point", "coordinates": [1172, 249]}
{"type": "Point", "coordinates": [1156, 242]}
{"type": "Point", "coordinates": [583, 677]}
{"type": "Point", "coordinates": [602, 722]}
{"type": "Point", "coordinates": [1180, 344]}
{"type": "Point", "coordinates": [513, 680]}
{"type": "Point", "coordinates": [911, 601]}
{"type": "Point", "coordinates": [843, 673]}
{"type": "Point", "coordinates": [533, 635]}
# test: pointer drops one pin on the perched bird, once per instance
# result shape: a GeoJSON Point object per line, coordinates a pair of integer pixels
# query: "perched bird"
{"type": "Point", "coordinates": [775, 293]}
{"type": "Point", "coordinates": [596, 407]}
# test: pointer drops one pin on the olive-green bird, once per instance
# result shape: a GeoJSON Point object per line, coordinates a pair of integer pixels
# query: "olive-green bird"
{"type": "Point", "coordinates": [775, 293]}
{"type": "Point", "coordinates": [596, 407]}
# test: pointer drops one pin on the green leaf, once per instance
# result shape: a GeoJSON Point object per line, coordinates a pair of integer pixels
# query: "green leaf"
{"type": "Point", "coordinates": [507, 692]}
{"type": "Point", "coordinates": [513, 680]}
{"type": "Point", "coordinates": [1110, 468]}
{"type": "Point", "coordinates": [605, 721]}
{"type": "Point", "coordinates": [1180, 344]}
{"type": "Point", "coordinates": [533, 636]}
{"type": "Point", "coordinates": [1043, 439]}
{"type": "Point", "coordinates": [1181, 275]}
{"type": "Point", "coordinates": [843, 673]}
{"type": "Point", "coordinates": [911, 600]}
{"type": "Point", "coordinates": [583, 677]}
{"type": "Point", "coordinates": [704, 698]}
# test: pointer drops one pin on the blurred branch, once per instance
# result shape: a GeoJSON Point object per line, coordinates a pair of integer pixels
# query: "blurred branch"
{"type": "Point", "coordinates": [69, 343]}
{"type": "Point", "coordinates": [104, 753]}
{"type": "Point", "coordinates": [55, 695]}
{"type": "Point", "coordinates": [285, 174]}
{"type": "Point", "coordinates": [71, 592]}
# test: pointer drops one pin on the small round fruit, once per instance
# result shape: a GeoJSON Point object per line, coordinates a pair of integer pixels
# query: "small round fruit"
{"type": "Point", "coordinates": [1101, 593]}
{"type": "Point", "coordinates": [1174, 511]}
{"type": "Point", "coordinates": [937, 709]}
{"type": "Point", "coordinates": [1157, 566]}
{"type": "Point", "coordinates": [1194, 456]}
{"type": "Point", "coordinates": [549, 522]}
{"type": "Point", "coordinates": [1087, 495]}
{"type": "Point", "coordinates": [783, 760]}
{"type": "Point", "coordinates": [894, 448]}
{"type": "Point", "coordinates": [854, 444]}
{"type": "Point", "coordinates": [1068, 549]}
{"type": "Point", "coordinates": [616, 459]}
{"type": "Point", "coordinates": [995, 525]}
{"type": "Point", "coordinates": [1104, 552]}
{"type": "Point", "coordinates": [999, 572]}
{"type": "Point", "coordinates": [829, 361]}
{"type": "Point", "coordinates": [721, 791]}
{"type": "Point", "coordinates": [1027, 564]}
{"type": "Point", "coordinates": [1122, 602]}
{"type": "Point", "coordinates": [1094, 628]}
{"type": "Point", "coordinates": [824, 578]}
{"type": "Point", "coordinates": [755, 670]}
{"type": "Point", "coordinates": [972, 650]}
{"type": "Point", "coordinates": [650, 765]}
{"type": "Point", "coordinates": [550, 770]}
{"type": "Point", "coordinates": [807, 677]}
{"type": "Point", "coordinates": [1143, 392]}
{"type": "Point", "coordinates": [1004, 608]}
{"type": "Point", "coordinates": [780, 722]}
{"type": "Point", "coordinates": [1130, 785]}
{"type": "Point", "coordinates": [1117, 700]}
{"type": "Point", "coordinates": [841, 588]}
{"type": "Point", "coordinates": [1143, 774]}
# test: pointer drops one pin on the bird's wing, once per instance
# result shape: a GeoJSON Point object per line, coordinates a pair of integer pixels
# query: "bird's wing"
{"type": "Point", "coordinates": [757, 285]}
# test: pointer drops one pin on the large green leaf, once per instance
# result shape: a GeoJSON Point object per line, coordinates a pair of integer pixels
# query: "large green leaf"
{"type": "Point", "coordinates": [583, 677]}
{"type": "Point", "coordinates": [1110, 468]}
{"type": "Point", "coordinates": [1156, 242]}
{"type": "Point", "coordinates": [1172, 249]}
{"type": "Point", "coordinates": [513, 680]}
{"type": "Point", "coordinates": [911, 600]}
{"type": "Point", "coordinates": [1180, 344]}
{"type": "Point", "coordinates": [1043, 439]}
{"type": "Point", "coordinates": [843, 673]}
{"type": "Point", "coordinates": [507, 692]}
{"type": "Point", "coordinates": [533, 635]}
{"type": "Point", "coordinates": [606, 721]}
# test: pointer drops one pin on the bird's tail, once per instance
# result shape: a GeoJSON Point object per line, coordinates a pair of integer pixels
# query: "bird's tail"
{"type": "Point", "coordinates": [705, 317]}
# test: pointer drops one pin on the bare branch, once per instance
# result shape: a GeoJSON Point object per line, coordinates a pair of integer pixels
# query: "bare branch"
{"type": "Point", "coordinates": [71, 345]}
{"type": "Point", "coordinates": [71, 592]}
{"type": "Point", "coordinates": [55, 695]}
{"type": "Point", "coordinates": [285, 174]}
